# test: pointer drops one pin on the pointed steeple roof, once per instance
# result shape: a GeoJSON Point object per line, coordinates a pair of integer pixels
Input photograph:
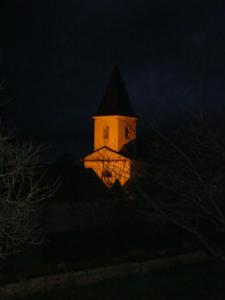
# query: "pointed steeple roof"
{"type": "Point", "coordinates": [115, 100]}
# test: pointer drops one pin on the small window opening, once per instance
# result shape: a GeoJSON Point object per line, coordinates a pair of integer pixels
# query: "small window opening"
{"type": "Point", "coordinates": [106, 132]}
{"type": "Point", "coordinates": [127, 132]}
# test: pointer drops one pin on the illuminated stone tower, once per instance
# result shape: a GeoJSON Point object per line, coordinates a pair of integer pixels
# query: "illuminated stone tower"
{"type": "Point", "coordinates": [114, 135]}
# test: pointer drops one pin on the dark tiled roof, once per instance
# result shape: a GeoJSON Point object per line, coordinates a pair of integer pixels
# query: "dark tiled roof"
{"type": "Point", "coordinates": [75, 184]}
{"type": "Point", "coordinates": [129, 150]}
{"type": "Point", "coordinates": [115, 100]}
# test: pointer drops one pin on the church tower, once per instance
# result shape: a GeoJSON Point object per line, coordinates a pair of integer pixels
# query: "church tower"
{"type": "Point", "coordinates": [114, 120]}
{"type": "Point", "coordinates": [114, 134]}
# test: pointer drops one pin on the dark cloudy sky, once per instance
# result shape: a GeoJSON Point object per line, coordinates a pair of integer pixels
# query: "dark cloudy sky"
{"type": "Point", "coordinates": [57, 56]}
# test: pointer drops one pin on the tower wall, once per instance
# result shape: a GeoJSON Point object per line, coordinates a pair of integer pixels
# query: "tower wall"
{"type": "Point", "coordinates": [100, 123]}
{"type": "Point", "coordinates": [126, 130]}
{"type": "Point", "coordinates": [121, 130]}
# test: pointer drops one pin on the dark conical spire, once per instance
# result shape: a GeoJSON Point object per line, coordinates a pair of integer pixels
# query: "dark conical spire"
{"type": "Point", "coordinates": [115, 100]}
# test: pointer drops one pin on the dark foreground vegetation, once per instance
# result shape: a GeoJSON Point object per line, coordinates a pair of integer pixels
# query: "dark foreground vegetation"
{"type": "Point", "coordinates": [85, 249]}
{"type": "Point", "coordinates": [202, 281]}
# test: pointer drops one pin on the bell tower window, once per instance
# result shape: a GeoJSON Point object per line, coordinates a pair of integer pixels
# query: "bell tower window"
{"type": "Point", "coordinates": [106, 132]}
{"type": "Point", "coordinates": [127, 132]}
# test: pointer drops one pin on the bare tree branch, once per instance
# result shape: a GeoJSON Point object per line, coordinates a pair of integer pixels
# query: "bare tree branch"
{"type": "Point", "coordinates": [22, 192]}
{"type": "Point", "coordinates": [185, 183]}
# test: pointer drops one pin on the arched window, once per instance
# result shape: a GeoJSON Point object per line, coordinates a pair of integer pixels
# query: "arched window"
{"type": "Point", "coordinates": [106, 132]}
{"type": "Point", "coordinates": [127, 132]}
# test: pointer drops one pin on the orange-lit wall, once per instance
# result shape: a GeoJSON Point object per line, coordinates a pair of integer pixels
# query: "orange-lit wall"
{"type": "Point", "coordinates": [122, 123]}
{"type": "Point", "coordinates": [99, 125]}
{"type": "Point", "coordinates": [103, 159]}
{"type": "Point", "coordinates": [106, 160]}
{"type": "Point", "coordinates": [116, 126]}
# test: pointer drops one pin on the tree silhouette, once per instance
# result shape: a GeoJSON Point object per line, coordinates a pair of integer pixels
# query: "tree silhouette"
{"type": "Point", "coordinates": [185, 183]}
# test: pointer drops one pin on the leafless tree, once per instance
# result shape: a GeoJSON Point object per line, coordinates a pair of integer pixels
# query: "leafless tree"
{"type": "Point", "coordinates": [186, 182]}
{"type": "Point", "coordinates": [22, 192]}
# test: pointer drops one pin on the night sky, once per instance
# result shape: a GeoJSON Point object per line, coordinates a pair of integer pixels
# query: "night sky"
{"type": "Point", "coordinates": [57, 57]}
